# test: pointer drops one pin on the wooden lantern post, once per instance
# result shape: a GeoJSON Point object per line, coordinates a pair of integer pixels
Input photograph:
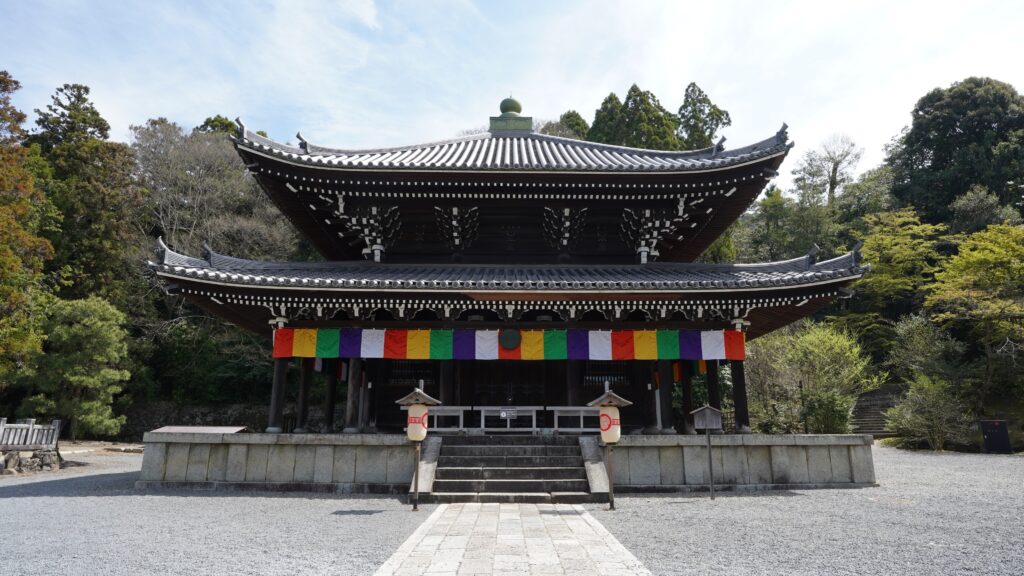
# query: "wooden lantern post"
{"type": "Point", "coordinates": [611, 429]}
{"type": "Point", "coordinates": [708, 418]}
{"type": "Point", "coordinates": [416, 428]}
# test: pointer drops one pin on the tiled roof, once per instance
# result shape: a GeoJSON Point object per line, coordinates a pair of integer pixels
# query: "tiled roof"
{"type": "Point", "coordinates": [515, 151]}
{"type": "Point", "coordinates": [372, 276]}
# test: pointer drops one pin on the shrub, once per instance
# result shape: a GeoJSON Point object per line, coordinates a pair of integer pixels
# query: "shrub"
{"type": "Point", "coordinates": [930, 412]}
{"type": "Point", "coordinates": [826, 411]}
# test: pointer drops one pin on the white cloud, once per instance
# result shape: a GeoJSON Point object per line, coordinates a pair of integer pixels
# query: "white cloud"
{"type": "Point", "coordinates": [361, 74]}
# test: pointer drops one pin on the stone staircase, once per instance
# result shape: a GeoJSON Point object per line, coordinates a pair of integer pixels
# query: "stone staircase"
{"type": "Point", "coordinates": [869, 411]}
{"type": "Point", "coordinates": [511, 469]}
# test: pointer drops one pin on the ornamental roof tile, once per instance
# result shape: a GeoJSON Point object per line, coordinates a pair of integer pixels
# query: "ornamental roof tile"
{"type": "Point", "coordinates": [372, 276]}
{"type": "Point", "coordinates": [515, 151]}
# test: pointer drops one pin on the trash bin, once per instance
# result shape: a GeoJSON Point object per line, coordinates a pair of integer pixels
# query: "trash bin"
{"type": "Point", "coordinates": [996, 436]}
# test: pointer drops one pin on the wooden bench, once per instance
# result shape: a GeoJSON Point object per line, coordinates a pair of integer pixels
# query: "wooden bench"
{"type": "Point", "coordinates": [28, 436]}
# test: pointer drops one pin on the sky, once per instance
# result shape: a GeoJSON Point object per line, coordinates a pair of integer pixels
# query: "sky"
{"type": "Point", "coordinates": [366, 73]}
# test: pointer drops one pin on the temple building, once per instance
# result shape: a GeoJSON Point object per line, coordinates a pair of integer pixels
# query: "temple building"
{"type": "Point", "coordinates": [510, 268]}
{"type": "Point", "coordinates": [514, 277]}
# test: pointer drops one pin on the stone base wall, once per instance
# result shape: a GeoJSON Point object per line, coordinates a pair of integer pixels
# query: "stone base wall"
{"type": "Point", "coordinates": [743, 461]}
{"type": "Point", "coordinates": [316, 462]}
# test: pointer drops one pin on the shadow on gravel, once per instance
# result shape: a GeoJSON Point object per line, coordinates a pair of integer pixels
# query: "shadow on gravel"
{"type": "Point", "coordinates": [690, 497]}
{"type": "Point", "coordinates": [355, 512]}
{"type": "Point", "coordinates": [115, 484]}
{"type": "Point", "coordinates": [123, 484]}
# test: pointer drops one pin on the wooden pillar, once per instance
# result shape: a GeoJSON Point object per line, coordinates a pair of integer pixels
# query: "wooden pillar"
{"type": "Point", "coordinates": [331, 399]}
{"type": "Point", "coordinates": [739, 396]}
{"type": "Point", "coordinates": [446, 390]}
{"type": "Point", "coordinates": [306, 366]}
{"type": "Point", "coordinates": [714, 386]}
{"type": "Point", "coordinates": [365, 386]}
{"type": "Point", "coordinates": [355, 376]}
{"type": "Point", "coordinates": [574, 382]}
{"type": "Point", "coordinates": [688, 400]}
{"type": "Point", "coordinates": [666, 383]}
{"type": "Point", "coordinates": [275, 419]}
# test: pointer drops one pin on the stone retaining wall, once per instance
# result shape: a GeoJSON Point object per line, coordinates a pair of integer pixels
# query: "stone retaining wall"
{"type": "Point", "coordinates": [743, 461]}
{"type": "Point", "coordinates": [344, 463]}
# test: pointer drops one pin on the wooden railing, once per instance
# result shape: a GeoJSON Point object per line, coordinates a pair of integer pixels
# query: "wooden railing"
{"type": "Point", "coordinates": [28, 435]}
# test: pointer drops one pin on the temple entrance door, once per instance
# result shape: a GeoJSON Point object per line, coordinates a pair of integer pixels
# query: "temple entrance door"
{"type": "Point", "coordinates": [511, 382]}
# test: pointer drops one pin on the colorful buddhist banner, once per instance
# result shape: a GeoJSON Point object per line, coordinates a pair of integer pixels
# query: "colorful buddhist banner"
{"type": "Point", "coordinates": [471, 344]}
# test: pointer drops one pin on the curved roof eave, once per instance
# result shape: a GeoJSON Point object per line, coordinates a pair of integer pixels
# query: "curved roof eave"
{"type": "Point", "coordinates": [425, 158]}
{"type": "Point", "coordinates": [362, 277]}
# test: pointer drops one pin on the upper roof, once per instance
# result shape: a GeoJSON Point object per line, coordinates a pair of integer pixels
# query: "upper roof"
{"type": "Point", "coordinates": [371, 276]}
{"type": "Point", "coordinates": [518, 151]}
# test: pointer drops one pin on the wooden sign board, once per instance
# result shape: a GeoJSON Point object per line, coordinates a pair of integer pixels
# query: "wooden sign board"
{"type": "Point", "coordinates": [707, 418]}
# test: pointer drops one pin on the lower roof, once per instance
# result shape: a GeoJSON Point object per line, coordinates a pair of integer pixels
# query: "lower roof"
{"type": "Point", "coordinates": [356, 276]}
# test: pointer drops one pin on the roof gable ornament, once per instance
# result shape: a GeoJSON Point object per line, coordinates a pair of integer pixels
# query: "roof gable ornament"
{"type": "Point", "coordinates": [510, 120]}
{"type": "Point", "coordinates": [783, 134]}
{"type": "Point", "coordinates": [812, 256]}
{"type": "Point", "coordinates": [719, 147]}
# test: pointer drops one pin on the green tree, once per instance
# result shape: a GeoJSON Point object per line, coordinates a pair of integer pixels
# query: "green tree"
{"type": "Point", "coordinates": [699, 119]}
{"type": "Point", "coordinates": [904, 255]}
{"type": "Point", "coordinates": [723, 249]}
{"type": "Point", "coordinates": [980, 291]}
{"type": "Point", "coordinates": [827, 170]}
{"type": "Point", "coordinates": [645, 124]}
{"type": "Point", "coordinates": [70, 118]}
{"type": "Point", "coordinates": [970, 133]}
{"type": "Point", "coordinates": [825, 358]}
{"type": "Point", "coordinates": [803, 372]}
{"type": "Point", "coordinates": [607, 126]}
{"type": "Point", "coordinates": [81, 369]}
{"type": "Point", "coordinates": [977, 208]}
{"type": "Point", "coordinates": [574, 123]}
{"type": "Point", "coordinates": [924, 349]}
{"type": "Point", "coordinates": [200, 192]}
{"type": "Point", "coordinates": [93, 190]}
{"type": "Point", "coordinates": [22, 251]}
{"type": "Point", "coordinates": [770, 232]}
{"type": "Point", "coordinates": [569, 125]}
{"type": "Point", "coordinates": [870, 194]}
{"type": "Point", "coordinates": [930, 412]}
{"type": "Point", "coordinates": [218, 124]}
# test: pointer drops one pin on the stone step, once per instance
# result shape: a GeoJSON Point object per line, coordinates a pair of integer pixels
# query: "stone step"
{"type": "Point", "coordinates": [523, 473]}
{"type": "Point", "coordinates": [511, 486]}
{"type": "Point", "coordinates": [482, 450]}
{"type": "Point", "coordinates": [513, 498]}
{"type": "Point", "coordinates": [510, 440]}
{"type": "Point", "coordinates": [509, 461]}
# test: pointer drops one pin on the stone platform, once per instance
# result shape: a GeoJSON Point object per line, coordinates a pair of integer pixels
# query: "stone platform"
{"type": "Point", "coordinates": [384, 463]}
{"type": "Point", "coordinates": [340, 463]}
{"type": "Point", "coordinates": [676, 463]}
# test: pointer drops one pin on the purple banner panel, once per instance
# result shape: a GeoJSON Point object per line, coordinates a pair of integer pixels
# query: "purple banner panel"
{"type": "Point", "coordinates": [577, 345]}
{"type": "Point", "coordinates": [464, 345]}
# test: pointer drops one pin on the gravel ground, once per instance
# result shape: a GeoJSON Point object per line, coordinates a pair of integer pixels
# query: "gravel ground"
{"type": "Point", "coordinates": [88, 519]}
{"type": "Point", "coordinates": [933, 514]}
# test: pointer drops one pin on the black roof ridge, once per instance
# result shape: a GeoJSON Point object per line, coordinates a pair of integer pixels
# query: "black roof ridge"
{"type": "Point", "coordinates": [215, 261]}
{"type": "Point", "coordinates": [777, 141]}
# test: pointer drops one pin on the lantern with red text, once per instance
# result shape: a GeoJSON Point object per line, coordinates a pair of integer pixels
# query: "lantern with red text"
{"type": "Point", "coordinates": [417, 403]}
{"type": "Point", "coordinates": [609, 404]}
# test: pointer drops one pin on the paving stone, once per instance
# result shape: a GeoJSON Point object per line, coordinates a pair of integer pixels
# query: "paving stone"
{"type": "Point", "coordinates": [522, 539]}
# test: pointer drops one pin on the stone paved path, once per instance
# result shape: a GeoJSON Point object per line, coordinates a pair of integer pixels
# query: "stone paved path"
{"type": "Point", "coordinates": [521, 539]}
